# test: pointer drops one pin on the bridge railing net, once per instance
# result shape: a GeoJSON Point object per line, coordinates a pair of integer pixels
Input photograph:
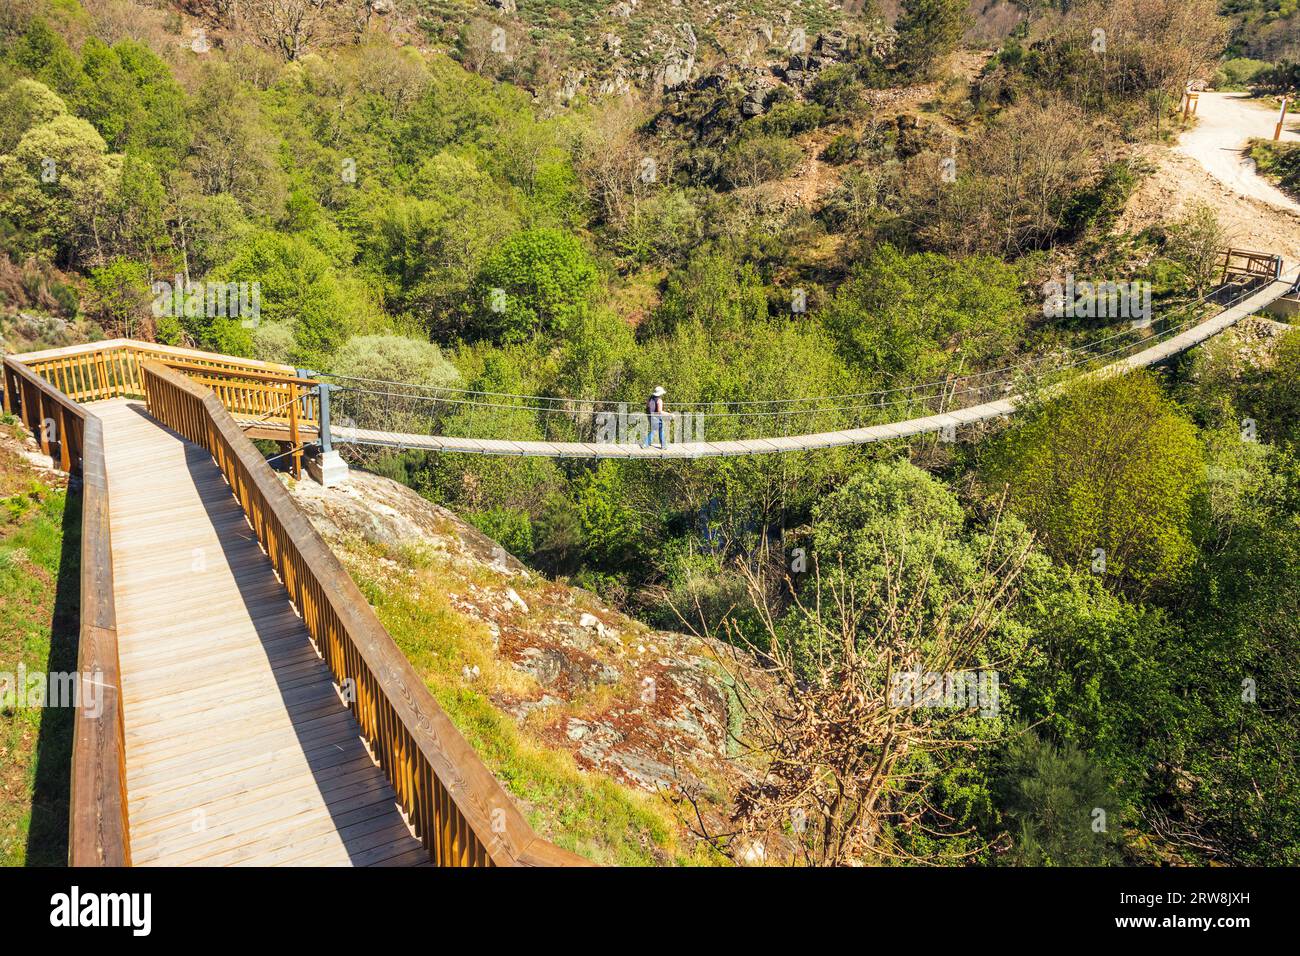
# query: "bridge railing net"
{"type": "Point", "coordinates": [397, 408]}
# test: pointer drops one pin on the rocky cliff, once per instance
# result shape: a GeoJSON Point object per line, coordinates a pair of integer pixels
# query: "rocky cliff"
{"type": "Point", "coordinates": [648, 710]}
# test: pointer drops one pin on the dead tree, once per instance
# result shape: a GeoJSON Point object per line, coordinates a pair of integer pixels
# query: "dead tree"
{"type": "Point", "coordinates": [851, 720]}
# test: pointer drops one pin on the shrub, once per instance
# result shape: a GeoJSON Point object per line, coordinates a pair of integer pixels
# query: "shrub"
{"type": "Point", "coordinates": [759, 159]}
{"type": "Point", "coordinates": [1279, 161]}
{"type": "Point", "coordinates": [1099, 206]}
{"type": "Point", "coordinates": [394, 358]}
{"type": "Point", "coordinates": [1236, 74]}
{"type": "Point", "coordinates": [842, 149]}
{"type": "Point", "coordinates": [273, 342]}
{"type": "Point", "coordinates": [838, 89]}
{"type": "Point", "coordinates": [509, 527]}
{"type": "Point", "coordinates": [790, 117]}
{"type": "Point", "coordinates": [391, 358]}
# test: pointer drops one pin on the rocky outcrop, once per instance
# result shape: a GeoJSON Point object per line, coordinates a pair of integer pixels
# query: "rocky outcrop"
{"type": "Point", "coordinates": [754, 104]}
{"type": "Point", "coordinates": [650, 708]}
{"type": "Point", "coordinates": [1248, 347]}
{"type": "Point", "coordinates": [674, 71]}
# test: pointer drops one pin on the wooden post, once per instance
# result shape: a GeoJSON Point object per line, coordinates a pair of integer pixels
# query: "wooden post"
{"type": "Point", "coordinates": [1281, 118]}
{"type": "Point", "coordinates": [42, 435]}
{"type": "Point", "coordinates": [101, 373]}
{"type": "Point", "coordinates": [65, 459]}
{"type": "Point", "coordinates": [10, 391]}
{"type": "Point", "coordinates": [296, 454]}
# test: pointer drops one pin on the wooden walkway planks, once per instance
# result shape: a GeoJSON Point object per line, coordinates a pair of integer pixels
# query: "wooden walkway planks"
{"type": "Point", "coordinates": [238, 749]}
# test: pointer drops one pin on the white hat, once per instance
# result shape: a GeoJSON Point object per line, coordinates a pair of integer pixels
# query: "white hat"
{"type": "Point", "coordinates": [659, 390]}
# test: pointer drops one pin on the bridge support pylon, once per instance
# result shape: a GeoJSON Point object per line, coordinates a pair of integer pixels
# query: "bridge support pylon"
{"type": "Point", "coordinates": [327, 467]}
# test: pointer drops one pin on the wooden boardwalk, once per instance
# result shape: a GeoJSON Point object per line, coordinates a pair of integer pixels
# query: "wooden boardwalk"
{"type": "Point", "coordinates": [238, 748]}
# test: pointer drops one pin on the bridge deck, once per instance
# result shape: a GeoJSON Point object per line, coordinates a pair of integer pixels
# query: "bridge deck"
{"type": "Point", "coordinates": [238, 748]}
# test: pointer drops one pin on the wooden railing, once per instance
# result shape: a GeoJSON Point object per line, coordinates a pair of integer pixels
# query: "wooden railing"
{"type": "Point", "coordinates": [1247, 264]}
{"type": "Point", "coordinates": [456, 807]}
{"type": "Point", "coordinates": [268, 398]}
{"type": "Point", "coordinates": [111, 368]}
{"type": "Point", "coordinates": [98, 833]}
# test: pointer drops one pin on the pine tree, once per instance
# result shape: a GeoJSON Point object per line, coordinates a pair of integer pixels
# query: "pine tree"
{"type": "Point", "coordinates": [928, 30]}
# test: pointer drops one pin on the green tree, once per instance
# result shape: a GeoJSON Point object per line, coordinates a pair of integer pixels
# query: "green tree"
{"type": "Point", "coordinates": [928, 30]}
{"type": "Point", "coordinates": [425, 250]}
{"type": "Point", "coordinates": [539, 280]}
{"type": "Point", "coordinates": [58, 185]}
{"type": "Point", "coordinates": [1106, 474]}
{"type": "Point", "coordinates": [120, 298]}
{"type": "Point", "coordinates": [132, 100]}
{"type": "Point", "coordinates": [1058, 804]}
{"type": "Point", "coordinates": [913, 317]}
{"type": "Point", "coordinates": [298, 284]}
{"type": "Point", "coordinates": [1281, 392]}
{"type": "Point", "coordinates": [23, 104]}
{"type": "Point", "coordinates": [714, 289]}
{"type": "Point", "coordinates": [895, 508]}
{"type": "Point", "coordinates": [611, 531]}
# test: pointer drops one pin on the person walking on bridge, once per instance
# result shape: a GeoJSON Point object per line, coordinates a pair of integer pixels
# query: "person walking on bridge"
{"type": "Point", "coordinates": [654, 409]}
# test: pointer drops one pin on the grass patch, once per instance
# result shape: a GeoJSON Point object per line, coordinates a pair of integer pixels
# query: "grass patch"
{"type": "Point", "coordinates": [589, 813]}
{"type": "Point", "coordinates": [1279, 162]}
{"type": "Point", "coordinates": [39, 607]}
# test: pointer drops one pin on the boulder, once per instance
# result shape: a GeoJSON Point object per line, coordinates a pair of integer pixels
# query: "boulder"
{"type": "Point", "coordinates": [753, 104]}
{"type": "Point", "coordinates": [832, 45]}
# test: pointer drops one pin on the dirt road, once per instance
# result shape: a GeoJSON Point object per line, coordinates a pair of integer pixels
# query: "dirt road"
{"type": "Point", "coordinates": [1209, 166]}
{"type": "Point", "coordinates": [1226, 122]}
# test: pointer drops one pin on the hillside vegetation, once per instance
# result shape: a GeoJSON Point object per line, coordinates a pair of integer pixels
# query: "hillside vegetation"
{"type": "Point", "coordinates": [739, 215]}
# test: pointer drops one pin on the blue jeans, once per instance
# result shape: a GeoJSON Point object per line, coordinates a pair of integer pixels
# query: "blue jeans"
{"type": "Point", "coordinates": [656, 422]}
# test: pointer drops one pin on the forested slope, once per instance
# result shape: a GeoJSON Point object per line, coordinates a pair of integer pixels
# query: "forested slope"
{"type": "Point", "coordinates": [1126, 558]}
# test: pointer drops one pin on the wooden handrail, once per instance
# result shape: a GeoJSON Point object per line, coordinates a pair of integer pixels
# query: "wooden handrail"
{"type": "Point", "coordinates": [249, 374]}
{"type": "Point", "coordinates": [172, 351]}
{"type": "Point", "coordinates": [111, 369]}
{"type": "Point", "coordinates": [271, 395]}
{"type": "Point", "coordinates": [98, 830]}
{"type": "Point", "coordinates": [457, 808]}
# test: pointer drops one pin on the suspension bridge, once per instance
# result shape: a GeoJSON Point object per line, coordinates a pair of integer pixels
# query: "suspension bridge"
{"type": "Point", "coordinates": [252, 707]}
{"type": "Point", "coordinates": [331, 410]}
{"type": "Point", "coordinates": [991, 391]}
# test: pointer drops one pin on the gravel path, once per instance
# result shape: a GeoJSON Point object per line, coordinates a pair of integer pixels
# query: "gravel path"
{"type": "Point", "coordinates": [1226, 122]}
{"type": "Point", "coordinates": [1254, 212]}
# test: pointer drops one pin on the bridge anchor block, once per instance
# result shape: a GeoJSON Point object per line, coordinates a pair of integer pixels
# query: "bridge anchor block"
{"type": "Point", "coordinates": [328, 468]}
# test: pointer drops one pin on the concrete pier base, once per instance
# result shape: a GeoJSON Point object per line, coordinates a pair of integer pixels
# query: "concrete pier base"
{"type": "Point", "coordinates": [328, 469]}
